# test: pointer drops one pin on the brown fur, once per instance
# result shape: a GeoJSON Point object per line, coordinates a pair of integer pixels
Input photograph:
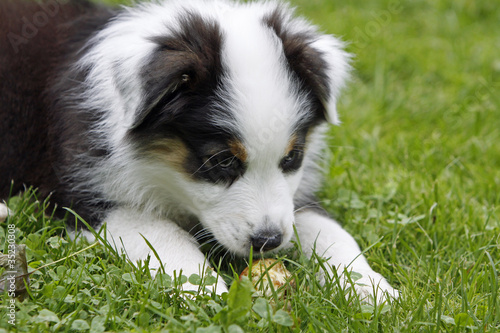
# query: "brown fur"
{"type": "Point", "coordinates": [292, 144]}
{"type": "Point", "coordinates": [238, 149]}
{"type": "Point", "coordinates": [173, 152]}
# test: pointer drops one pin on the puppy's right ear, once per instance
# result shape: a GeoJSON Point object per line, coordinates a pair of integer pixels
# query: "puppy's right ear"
{"type": "Point", "coordinates": [165, 79]}
{"type": "Point", "coordinates": [183, 62]}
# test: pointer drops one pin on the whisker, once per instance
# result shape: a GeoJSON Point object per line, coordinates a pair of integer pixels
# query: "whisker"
{"type": "Point", "coordinates": [314, 204]}
{"type": "Point", "coordinates": [213, 252]}
{"type": "Point", "coordinates": [205, 239]}
{"type": "Point", "coordinates": [225, 254]}
{"type": "Point", "coordinates": [194, 227]}
{"type": "Point", "coordinates": [208, 160]}
{"type": "Point", "coordinates": [232, 159]}
{"type": "Point", "coordinates": [200, 233]}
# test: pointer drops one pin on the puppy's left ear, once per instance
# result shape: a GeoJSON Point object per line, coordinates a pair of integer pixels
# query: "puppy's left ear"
{"type": "Point", "coordinates": [335, 72]}
{"type": "Point", "coordinates": [318, 61]}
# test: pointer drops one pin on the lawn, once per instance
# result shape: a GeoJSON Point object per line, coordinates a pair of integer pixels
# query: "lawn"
{"type": "Point", "coordinates": [413, 172]}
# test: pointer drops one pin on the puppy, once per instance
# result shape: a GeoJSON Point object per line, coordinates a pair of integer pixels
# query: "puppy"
{"type": "Point", "coordinates": [176, 119]}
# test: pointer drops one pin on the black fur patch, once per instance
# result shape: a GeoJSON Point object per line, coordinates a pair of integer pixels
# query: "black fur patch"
{"type": "Point", "coordinates": [304, 61]}
{"type": "Point", "coordinates": [181, 81]}
{"type": "Point", "coordinates": [38, 134]}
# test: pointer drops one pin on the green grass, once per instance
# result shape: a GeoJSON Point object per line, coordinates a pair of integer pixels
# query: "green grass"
{"type": "Point", "coordinates": [414, 174]}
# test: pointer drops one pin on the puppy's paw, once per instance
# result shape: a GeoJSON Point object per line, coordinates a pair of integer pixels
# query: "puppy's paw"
{"type": "Point", "coordinates": [373, 288]}
{"type": "Point", "coordinates": [370, 286]}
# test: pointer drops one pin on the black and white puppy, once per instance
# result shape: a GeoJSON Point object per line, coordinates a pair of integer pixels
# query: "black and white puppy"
{"type": "Point", "coordinates": [173, 118]}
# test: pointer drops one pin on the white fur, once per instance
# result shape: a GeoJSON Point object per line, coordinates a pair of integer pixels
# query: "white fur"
{"type": "Point", "coordinates": [177, 250]}
{"type": "Point", "coordinates": [330, 241]}
{"type": "Point", "coordinates": [153, 198]}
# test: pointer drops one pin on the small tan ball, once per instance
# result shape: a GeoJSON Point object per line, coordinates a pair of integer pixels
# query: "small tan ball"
{"type": "Point", "coordinates": [265, 271]}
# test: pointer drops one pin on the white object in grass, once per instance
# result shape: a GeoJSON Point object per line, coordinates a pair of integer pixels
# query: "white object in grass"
{"type": "Point", "coordinates": [4, 212]}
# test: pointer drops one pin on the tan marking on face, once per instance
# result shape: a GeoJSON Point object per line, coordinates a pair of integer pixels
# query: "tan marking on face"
{"type": "Point", "coordinates": [172, 152]}
{"type": "Point", "coordinates": [291, 144]}
{"type": "Point", "coordinates": [238, 149]}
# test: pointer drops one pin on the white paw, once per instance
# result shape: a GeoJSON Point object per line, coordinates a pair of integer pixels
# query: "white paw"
{"type": "Point", "coordinates": [372, 288]}
{"type": "Point", "coordinates": [4, 212]}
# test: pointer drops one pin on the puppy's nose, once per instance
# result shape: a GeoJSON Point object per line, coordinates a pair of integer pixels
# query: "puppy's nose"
{"type": "Point", "coordinates": [266, 241]}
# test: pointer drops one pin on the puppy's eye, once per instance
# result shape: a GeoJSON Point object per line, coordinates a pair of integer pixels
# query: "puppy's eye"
{"type": "Point", "coordinates": [227, 162]}
{"type": "Point", "coordinates": [292, 161]}
{"type": "Point", "coordinates": [221, 161]}
{"type": "Point", "coordinates": [222, 168]}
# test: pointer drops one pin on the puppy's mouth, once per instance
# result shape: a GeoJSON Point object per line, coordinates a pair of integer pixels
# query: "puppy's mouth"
{"type": "Point", "coordinates": [260, 244]}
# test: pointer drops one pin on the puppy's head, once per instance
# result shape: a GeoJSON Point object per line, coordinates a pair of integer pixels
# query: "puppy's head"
{"type": "Point", "coordinates": [228, 106]}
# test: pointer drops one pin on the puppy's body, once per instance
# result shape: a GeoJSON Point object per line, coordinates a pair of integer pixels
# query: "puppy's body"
{"type": "Point", "coordinates": [172, 117]}
{"type": "Point", "coordinates": [40, 137]}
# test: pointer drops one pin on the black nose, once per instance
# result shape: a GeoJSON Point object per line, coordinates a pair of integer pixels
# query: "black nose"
{"type": "Point", "coordinates": [266, 241]}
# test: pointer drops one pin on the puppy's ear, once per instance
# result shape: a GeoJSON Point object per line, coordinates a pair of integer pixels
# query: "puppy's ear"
{"type": "Point", "coordinates": [168, 74]}
{"type": "Point", "coordinates": [182, 63]}
{"type": "Point", "coordinates": [318, 61]}
{"type": "Point", "coordinates": [336, 73]}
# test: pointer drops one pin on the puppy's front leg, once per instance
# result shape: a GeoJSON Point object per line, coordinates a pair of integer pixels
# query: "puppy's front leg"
{"type": "Point", "coordinates": [176, 248]}
{"type": "Point", "coordinates": [330, 240]}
